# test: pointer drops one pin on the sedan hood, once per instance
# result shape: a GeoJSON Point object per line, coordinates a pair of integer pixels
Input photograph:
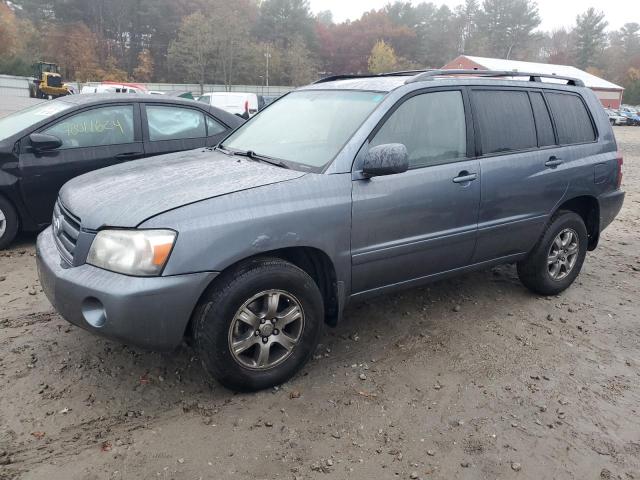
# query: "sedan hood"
{"type": "Point", "coordinates": [128, 194]}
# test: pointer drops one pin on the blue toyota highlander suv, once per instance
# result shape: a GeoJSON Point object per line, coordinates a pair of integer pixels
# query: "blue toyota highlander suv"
{"type": "Point", "coordinates": [344, 189]}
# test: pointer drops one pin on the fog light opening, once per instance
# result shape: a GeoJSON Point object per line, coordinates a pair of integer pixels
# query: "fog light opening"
{"type": "Point", "coordinates": [93, 312]}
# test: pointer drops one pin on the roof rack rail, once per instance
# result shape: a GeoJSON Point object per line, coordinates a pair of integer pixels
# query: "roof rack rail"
{"type": "Point", "coordinates": [533, 77]}
{"type": "Point", "coordinates": [333, 78]}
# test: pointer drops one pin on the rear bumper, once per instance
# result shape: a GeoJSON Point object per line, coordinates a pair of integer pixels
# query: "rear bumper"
{"type": "Point", "coordinates": [610, 206]}
{"type": "Point", "coordinates": [151, 313]}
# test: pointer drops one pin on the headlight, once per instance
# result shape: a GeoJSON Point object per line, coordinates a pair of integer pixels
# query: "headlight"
{"type": "Point", "coordinates": [142, 253]}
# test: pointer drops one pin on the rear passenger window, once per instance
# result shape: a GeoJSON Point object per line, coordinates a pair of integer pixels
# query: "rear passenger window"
{"type": "Point", "coordinates": [572, 119]}
{"type": "Point", "coordinates": [175, 123]}
{"type": "Point", "coordinates": [543, 120]}
{"type": "Point", "coordinates": [431, 125]}
{"type": "Point", "coordinates": [505, 120]}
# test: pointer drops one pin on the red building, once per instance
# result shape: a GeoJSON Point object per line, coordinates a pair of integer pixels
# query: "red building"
{"type": "Point", "coordinates": [609, 93]}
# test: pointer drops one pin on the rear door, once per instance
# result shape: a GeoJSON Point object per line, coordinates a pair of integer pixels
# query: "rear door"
{"type": "Point", "coordinates": [523, 171]}
{"type": "Point", "coordinates": [93, 138]}
{"type": "Point", "coordinates": [174, 128]}
{"type": "Point", "coordinates": [422, 222]}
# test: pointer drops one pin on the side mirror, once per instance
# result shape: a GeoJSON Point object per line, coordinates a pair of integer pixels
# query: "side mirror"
{"type": "Point", "coordinates": [386, 159]}
{"type": "Point", "coordinates": [43, 142]}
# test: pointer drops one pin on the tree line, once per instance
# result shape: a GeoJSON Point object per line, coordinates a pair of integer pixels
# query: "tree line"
{"type": "Point", "coordinates": [281, 42]}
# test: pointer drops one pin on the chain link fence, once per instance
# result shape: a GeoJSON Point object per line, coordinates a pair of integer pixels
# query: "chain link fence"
{"type": "Point", "coordinates": [12, 86]}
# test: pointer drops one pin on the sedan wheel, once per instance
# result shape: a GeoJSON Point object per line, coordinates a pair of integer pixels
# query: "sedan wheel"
{"type": "Point", "coordinates": [3, 223]}
{"type": "Point", "coordinates": [8, 223]}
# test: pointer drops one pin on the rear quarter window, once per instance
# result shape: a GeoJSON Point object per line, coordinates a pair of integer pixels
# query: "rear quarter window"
{"type": "Point", "coordinates": [573, 121]}
{"type": "Point", "coordinates": [505, 120]}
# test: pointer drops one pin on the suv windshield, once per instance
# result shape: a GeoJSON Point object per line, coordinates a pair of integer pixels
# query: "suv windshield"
{"type": "Point", "coordinates": [12, 124]}
{"type": "Point", "coordinates": [306, 129]}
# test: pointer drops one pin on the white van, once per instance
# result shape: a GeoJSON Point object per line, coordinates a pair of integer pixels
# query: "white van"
{"type": "Point", "coordinates": [244, 105]}
{"type": "Point", "coordinates": [112, 88]}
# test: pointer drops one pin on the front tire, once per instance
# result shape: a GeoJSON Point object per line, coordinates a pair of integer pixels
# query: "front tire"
{"type": "Point", "coordinates": [556, 260]}
{"type": "Point", "coordinates": [259, 324]}
{"type": "Point", "coordinates": [8, 223]}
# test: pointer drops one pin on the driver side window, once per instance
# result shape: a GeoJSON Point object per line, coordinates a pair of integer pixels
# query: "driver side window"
{"type": "Point", "coordinates": [431, 125]}
{"type": "Point", "coordinates": [96, 127]}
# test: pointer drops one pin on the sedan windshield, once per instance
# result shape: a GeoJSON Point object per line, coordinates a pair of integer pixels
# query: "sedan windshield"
{"type": "Point", "coordinates": [306, 129]}
{"type": "Point", "coordinates": [14, 123]}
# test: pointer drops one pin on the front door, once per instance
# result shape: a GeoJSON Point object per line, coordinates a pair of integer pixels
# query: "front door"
{"type": "Point", "coordinates": [410, 226]}
{"type": "Point", "coordinates": [91, 139]}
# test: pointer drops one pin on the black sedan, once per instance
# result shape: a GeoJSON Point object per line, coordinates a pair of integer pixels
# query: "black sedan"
{"type": "Point", "coordinates": [44, 146]}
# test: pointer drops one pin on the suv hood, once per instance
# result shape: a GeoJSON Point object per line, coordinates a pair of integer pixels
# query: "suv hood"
{"type": "Point", "coordinates": [128, 194]}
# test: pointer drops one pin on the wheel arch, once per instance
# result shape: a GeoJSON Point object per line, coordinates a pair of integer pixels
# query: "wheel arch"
{"type": "Point", "coordinates": [588, 208]}
{"type": "Point", "coordinates": [15, 207]}
{"type": "Point", "coordinates": [315, 262]}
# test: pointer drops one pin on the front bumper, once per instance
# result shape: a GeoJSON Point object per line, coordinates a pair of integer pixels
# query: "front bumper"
{"type": "Point", "coordinates": [147, 312]}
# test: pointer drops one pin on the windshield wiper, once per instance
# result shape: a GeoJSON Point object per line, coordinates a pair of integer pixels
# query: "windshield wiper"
{"type": "Point", "coordinates": [223, 150]}
{"type": "Point", "coordinates": [261, 158]}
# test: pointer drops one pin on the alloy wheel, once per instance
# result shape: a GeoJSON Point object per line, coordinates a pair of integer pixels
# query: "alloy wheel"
{"type": "Point", "coordinates": [266, 329]}
{"type": "Point", "coordinates": [563, 254]}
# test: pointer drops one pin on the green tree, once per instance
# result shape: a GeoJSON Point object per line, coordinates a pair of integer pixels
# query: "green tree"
{"type": "Point", "coordinates": [559, 47]}
{"type": "Point", "coordinates": [300, 69]}
{"type": "Point", "coordinates": [325, 17]}
{"type": "Point", "coordinates": [280, 22]}
{"type": "Point", "coordinates": [631, 83]}
{"type": "Point", "coordinates": [19, 43]}
{"type": "Point", "coordinates": [590, 38]}
{"type": "Point", "coordinates": [438, 37]}
{"type": "Point", "coordinates": [630, 36]}
{"type": "Point", "coordinates": [467, 24]}
{"type": "Point", "coordinates": [507, 26]}
{"type": "Point", "coordinates": [382, 58]}
{"type": "Point", "coordinates": [144, 71]}
{"type": "Point", "coordinates": [192, 53]}
{"type": "Point", "coordinates": [215, 47]}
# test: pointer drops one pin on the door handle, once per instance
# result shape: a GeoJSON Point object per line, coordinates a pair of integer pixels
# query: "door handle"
{"type": "Point", "coordinates": [465, 177]}
{"type": "Point", "coordinates": [553, 162]}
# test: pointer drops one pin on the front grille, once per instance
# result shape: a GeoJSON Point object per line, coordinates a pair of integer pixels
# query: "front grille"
{"type": "Point", "coordinates": [54, 81]}
{"type": "Point", "coordinates": [66, 228]}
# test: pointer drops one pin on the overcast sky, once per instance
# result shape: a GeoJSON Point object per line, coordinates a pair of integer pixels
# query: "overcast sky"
{"type": "Point", "coordinates": [554, 13]}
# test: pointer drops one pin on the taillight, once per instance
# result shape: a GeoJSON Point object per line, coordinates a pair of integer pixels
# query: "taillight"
{"type": "Point", "coordinates": [246, 107]}
{"type": "Point", "coordinates": [620, 161]}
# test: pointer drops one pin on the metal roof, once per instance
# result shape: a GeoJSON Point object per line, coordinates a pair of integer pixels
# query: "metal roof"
{"type": "Point", "coordinates": [589, 80]}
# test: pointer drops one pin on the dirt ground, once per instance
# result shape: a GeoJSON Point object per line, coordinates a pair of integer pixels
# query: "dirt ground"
{"type": "Point", "coordinates": [468, 378]}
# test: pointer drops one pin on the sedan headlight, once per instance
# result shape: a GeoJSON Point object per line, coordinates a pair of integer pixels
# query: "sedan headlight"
{"type": "Point", "coordinates": [141, 253]}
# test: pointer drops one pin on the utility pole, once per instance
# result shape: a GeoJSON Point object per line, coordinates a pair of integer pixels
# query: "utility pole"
{"type": "Point", "coordinates": [267, 56]}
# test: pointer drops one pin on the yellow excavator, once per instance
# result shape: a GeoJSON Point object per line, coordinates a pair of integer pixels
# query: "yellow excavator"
{"type": "Point", "coordinates": [47, 82]}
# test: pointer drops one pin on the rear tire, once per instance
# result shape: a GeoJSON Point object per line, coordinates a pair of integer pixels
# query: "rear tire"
{"type": "Point", "coordinates": [8, 223]}
{"type": "Point", "coordinates": [556, 260]}
{"type": "Point", "coordinates": [259, 324]}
